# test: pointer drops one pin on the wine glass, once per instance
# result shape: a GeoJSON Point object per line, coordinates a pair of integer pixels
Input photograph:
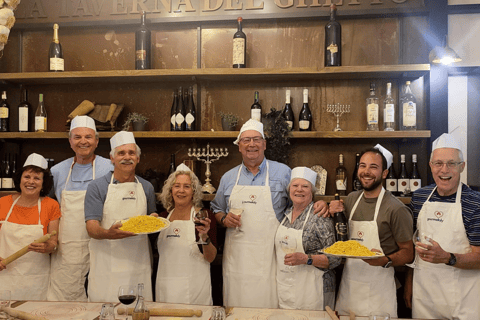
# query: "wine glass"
{"type": "Point", "coordinates": [237, 212]}
{"type": "Point", "coordinates": [422, 237]}
{"type": "Point", "coordinates": [4, 302]}
{"type": "Point", "coordinates": [107, 312]}
{"type": "Point", "coordinates": [202, 214]}
{"type": "Point", "coordinates": [288, 245]}
{"type": "Point", "coordinates": [379, 316]}
{"type": "Point", "coordinates": [127, 295]}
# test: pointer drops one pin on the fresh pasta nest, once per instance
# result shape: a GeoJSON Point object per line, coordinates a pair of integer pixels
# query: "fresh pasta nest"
{"type": "Point", "coordinates": [144, 224]}
{"type": "Point", "coordinates": [349, 248]}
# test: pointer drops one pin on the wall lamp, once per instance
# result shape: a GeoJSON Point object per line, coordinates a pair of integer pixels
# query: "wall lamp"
{"type": "Point", "coordinates": [443, 55]}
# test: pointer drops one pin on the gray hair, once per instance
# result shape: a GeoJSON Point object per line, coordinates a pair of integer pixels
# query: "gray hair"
{"type": "Point", "coordinates": [114, 151]}
{"type": "Point", "coordinates": [460, 155]}
{"type": "Point", "coordinates": [312, 187]}
{"type": "Point", "coordinates": [166, 196]}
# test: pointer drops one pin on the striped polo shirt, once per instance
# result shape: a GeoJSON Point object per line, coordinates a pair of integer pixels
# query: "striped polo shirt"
{"type": "Point", "coordinates": [470, 208]}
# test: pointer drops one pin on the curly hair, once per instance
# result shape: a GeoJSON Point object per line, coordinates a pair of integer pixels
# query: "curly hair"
{"type": "Point", "coordinates": [47, 179]}
{"type": "Point", "coordinates": [166, 196]}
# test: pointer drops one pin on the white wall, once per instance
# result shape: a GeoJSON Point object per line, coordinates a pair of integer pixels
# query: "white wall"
{"type": "Point", "coordinates": [455, 2]}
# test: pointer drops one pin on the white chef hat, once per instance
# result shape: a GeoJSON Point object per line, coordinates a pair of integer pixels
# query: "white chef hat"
{"type": "Point", "coordinates": [304, 173]}
{"type": "Point", "coordinates": [83, 122]}
{"type": "Point", "coordinates": [121, 138]}
{"type": "Point", "coordinates": [36, 160]}
{"type": "Point", "coordinates": [250, 125]}
{"type": "Point", "coordinates": [183, 167]}
{"type": "Point", "coordinates": [446, 140]}
{"type": "Point", "coordinates": [387, 154]}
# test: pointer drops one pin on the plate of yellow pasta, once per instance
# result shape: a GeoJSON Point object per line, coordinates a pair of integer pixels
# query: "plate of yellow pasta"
{"type": "Point", "coordinates": [351, 249]}
{"type": "Point", "coordinates": [144, 224]}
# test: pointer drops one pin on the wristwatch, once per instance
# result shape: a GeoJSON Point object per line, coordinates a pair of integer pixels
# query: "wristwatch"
{"type": "Point", "coordinates": [310, 259]}
{"type": "Point", "coordinates": [207, 241]}
{"type": "Point", "coordinates": [223, 219]}
{"type": "Point", "coordinates": [452, 260]}
{"type": "Point", "coordinates": [389, 262]}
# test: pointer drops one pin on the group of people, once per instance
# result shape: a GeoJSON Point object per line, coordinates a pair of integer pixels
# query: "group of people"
{"type": "Point", "coordinates": [273, 249]}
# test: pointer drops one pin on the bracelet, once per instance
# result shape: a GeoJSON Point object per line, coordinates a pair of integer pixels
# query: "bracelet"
{"type": "Point", "coordinates": [223, 219]}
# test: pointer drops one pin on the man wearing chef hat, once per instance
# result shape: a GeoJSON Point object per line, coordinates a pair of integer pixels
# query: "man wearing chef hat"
{"type": "Point", "coordinates": [377, 220]}
{"type": "Point", "coordinates": [118, 257]}
{"type": "Point", "coordinates": [70, 263]}
{"type": "Point", "coordinates": [446, 277]}
{"type": "Point", "coordinates": [259, 187]}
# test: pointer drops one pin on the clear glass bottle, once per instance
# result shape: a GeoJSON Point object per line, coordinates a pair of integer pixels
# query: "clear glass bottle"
{"type": "Point", "coordinates": [288, 112]}
{"type": "Point", "coordinates": [389, 110]}
{"type": "Point", "coordinates": [256, 108]}
{"type": "Point", "coordinates": [305, 117]}
{"type": "Point", "coordinates": [140, 312]}
{"type": "Point", "coordinates": [408, 109]}
{"type": "Point", "coordinates": [341, 177]}
{"type": "Point", "coordinates": [415, 180]}
{"type": "Point", "coordinates": [372, 109]}
{"type": "Point", "coordinates": [239, 47]}
{"type": "Point", "coordinates": [4, 113]}
{"type": "Point", "coordinates": [40, 116]}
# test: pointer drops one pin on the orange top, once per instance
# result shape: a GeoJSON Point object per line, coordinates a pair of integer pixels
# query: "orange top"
{"type": "Point", "coordinates": [23, 215]}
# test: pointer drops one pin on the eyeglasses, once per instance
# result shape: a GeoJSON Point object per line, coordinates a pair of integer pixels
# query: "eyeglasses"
{"type": "Point", "coordinates": [247, 140]}
{"type": "Point", "coordinates": [450, 164]}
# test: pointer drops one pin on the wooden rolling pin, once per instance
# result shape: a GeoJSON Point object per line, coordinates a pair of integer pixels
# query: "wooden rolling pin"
{"type": "Point", "coordinates": [331, 313]}
{"type": "Point", "coordinates": [168, 312]}
{"type": "Point", "coordinates": [24, 250]}
{"type": "Point", "coordinates": [21, 314]}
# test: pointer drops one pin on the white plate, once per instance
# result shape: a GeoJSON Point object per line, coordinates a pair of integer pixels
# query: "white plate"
{"type": "Point", "coordinates": [376, 256]}
{"type": "Point", "coordinates": [167, 224]}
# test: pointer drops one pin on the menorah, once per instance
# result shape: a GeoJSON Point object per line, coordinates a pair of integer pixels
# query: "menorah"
{"type": "Point", "coordinates": [210, 156]}
{"type": "Point", "coordinates": [337, 110]}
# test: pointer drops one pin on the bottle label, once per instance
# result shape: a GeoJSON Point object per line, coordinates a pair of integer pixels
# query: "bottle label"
{"type": "Point", "coordinates": [357, 185]}
{"type": "Point", "coordinates": [333, 48]}
{"type": "Point", "coordinates": [256, 114]}
{"type": "Point", "coordinates": [290, 124]}
{"type": "Point", "coordinates": [372, 113]}
{"type": "Point", "coordinates": [304, 124]}
{"type": "Point", "coordinates": [179, 119]}
{"type": "Point", "coordinates": [22, 119]}
{"type": "Point", "coordinates": [172, 120]}
{"type": "Point", "coordinates": [4, 113]}
{"type": "Point", "coordinates": [415, 184]}
{"type": "Point", "coordinates": [40, 123]}
{"type": "Point", "coordinates": [7, 183]}
{"type": "Point", "coordinates": [57, 64]}
{"type": "Point", "coordinates": [341, 228]}
{"type": "Point", "coordinates": [141, 55]}
{"type": "Point", "coordinates": [403, 184]}
{"type": "Point", "coordinates": [238, 51]}
{"type": "Point", "coordinates": [391, 185]}
{"type": "Point", "coordinates": [409, 114]}
{"type": "Point", "coordinates": [189, 119]}
{"type": "Point", "coordinates": [341, 184]}
{"type": "Point", "coordinates": [389, 114]}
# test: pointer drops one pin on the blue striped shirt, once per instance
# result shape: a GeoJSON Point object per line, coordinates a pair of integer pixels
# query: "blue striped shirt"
{"type": "Point", "coordinates": [470, 201]}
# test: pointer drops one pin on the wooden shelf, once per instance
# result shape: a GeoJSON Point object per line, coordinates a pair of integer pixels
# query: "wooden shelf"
{"type": "Point", "coordinates": [230, 135]}
{"type": "Point", "coordinates": [404, 71]}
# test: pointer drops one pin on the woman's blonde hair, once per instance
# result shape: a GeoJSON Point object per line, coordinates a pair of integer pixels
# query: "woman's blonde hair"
{"type": "Point", "coordinates": [166, 196]}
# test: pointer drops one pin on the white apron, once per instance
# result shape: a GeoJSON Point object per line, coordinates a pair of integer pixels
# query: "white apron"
{"type": "Point", "coordinates": [124, 261]}
{"type": "Point", "coordinates": [365, 288]}
{"type": "Point", "coordinates": [441, 291]}
{"type": "Point", "coordinates": [27, 277]}
{"type": "Point", "coordinates": [299, 287]}
{"type": "Point", "coordinates": [249, 266]}
{"type": "Point", "coordinates": [183, 275]}
{"type": "Point", "coordinates": [70, 263]}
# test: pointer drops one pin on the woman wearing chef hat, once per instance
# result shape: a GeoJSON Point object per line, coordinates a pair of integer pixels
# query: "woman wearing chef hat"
{"type": "Point", "coordinates": [305, 278]}
{"type": "Point", "coordinates": [24, 217]}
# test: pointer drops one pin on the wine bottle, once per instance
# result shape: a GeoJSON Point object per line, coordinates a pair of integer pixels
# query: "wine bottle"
{"type": "Point", "coordinates": [172, 167]}
{"type": "Point", "coordinates": [180, 112]}
{"type": "Point", "coordinates": [172, 111]}
{"type": "Point", "coordinates": [7, 180]}
{"type": "Point", "coordinates": [305, 117]}
{"type": "Point", "coordinates": [288, 112]}
{"type": "Point", "coordinates": [356, 184]}
{"type": "Point", "coordinates": [415, 180]}
{"type": "Point", "coordinates": [140, 312]}
{"type": "Point", "coordinates": [389, 110]}
{"type": "Point", "coordinates": [341, 224]}
{"type": "Point", "coordinates": [341, 177]}
{"type": "Point", "coordinates": [143, 39]}
{"type": "Point", "coordinates": [333, 40]}
{"type": "Point", "coordinates": [408, 109]}
{"type": "Point", "coordinates": [23, 112]}
{"type": "Point", "coordinates": [13, 168]}
{"type": "Point", "coordinates": [391, 182]}
{"type": "Point", "coordinates": [256, 108]}
{"type": "Point", "coordinates": [4, 113]}
{"type": "Point", "coordinates": [239, 47]}
{"type": "Point", "coordinates": [190, 118]}
{"type": "Point", "coordinates": [55, 53]}
{"type": "Point", "coordinates": [403, 180]}
{"type": "Point", "coordinates": [372, 109]}
{"type": "Point", "coordinates": [40, 116]}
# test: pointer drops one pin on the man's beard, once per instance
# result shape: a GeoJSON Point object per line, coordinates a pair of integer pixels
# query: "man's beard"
{"type": "Point", "coordinates": [374, 185]}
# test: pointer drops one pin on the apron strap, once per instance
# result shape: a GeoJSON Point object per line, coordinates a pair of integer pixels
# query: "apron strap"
{"type": "Point", "coordinates": [306, 219]}
{"type": "Point", "coordinates": [70, 172]}
{"type": "Point", "coordinates": [39, 207]}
